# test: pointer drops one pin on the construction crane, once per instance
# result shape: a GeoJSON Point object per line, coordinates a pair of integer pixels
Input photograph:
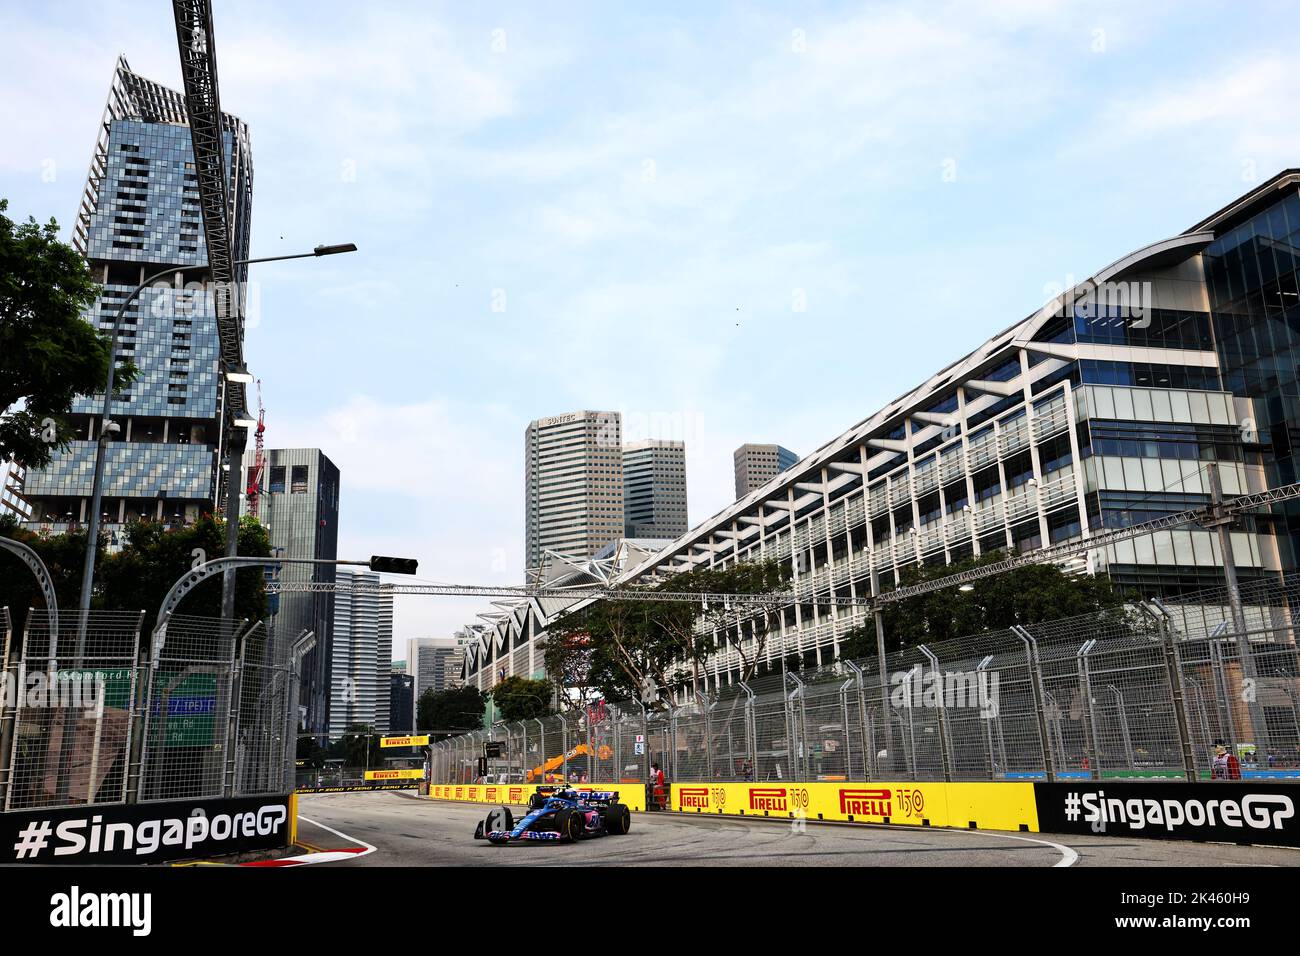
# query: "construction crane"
{"type": "Point", "coordinates": [254, 489]}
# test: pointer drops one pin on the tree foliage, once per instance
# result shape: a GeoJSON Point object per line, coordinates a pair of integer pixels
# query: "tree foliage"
{"type": "Point", "coordinates": [138, 577]}
{"type": "Point", "coordinates": [625, 647]}
{"type": "Point", "coordinates": [458, 710]}
{"type": "Point", "coordinates": [358, 747]}
{"type": "Point", "coordinates": [48, 354]}
{"type": "Point", "coordinates": [1026, 595]}
{"type": "Point", "coordinates": [519, 698]}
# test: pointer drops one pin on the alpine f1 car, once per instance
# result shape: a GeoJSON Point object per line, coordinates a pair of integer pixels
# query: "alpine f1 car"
{"type": "Point", "coordinates": [558, 815]}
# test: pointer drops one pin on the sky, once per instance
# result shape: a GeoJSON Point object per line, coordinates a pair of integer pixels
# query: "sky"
{"type": "Point", "coordinates": [730, 222]}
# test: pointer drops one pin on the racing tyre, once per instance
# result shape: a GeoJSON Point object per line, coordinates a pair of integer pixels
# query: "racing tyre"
{"type": "Point", "coordinates": [535, 801]}
{"type": "Point", "coordinates": [618, 819]}
{"type": "Point", "coordinates": [569, 824]}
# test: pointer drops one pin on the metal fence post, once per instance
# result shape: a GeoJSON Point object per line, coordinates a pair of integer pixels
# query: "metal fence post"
{"type": "Point", "coordinates": [141, 685]}
{"type": "Point", "coordinates": [980, 668]}
{"type": "Point", "coordinates": [1174, 665]}
{"type": "Point", "coordinates": [1036, 688]}
{"type": "Point", "coordinates": [751, 732]}
{"type": "Point", "coordinates": [868, 738]}
{"type": "Point", "coordinates": [1123, 724]}
{"type": "Point", "coordinates": [944, 753]}
{"type": "Point", "coordinates": [1089, 712]}
{"type": "Point", "coordinates": [706, 707]}
{"type": "Point", "coordinates": [6, 734]}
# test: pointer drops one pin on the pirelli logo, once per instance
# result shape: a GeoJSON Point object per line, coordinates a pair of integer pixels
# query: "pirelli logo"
{"type": "Point", "coordinates": [693, 798]}
{"type": "Point", "coordinates": [764, 798]}
{"type": "Point", "coordinates": [516, 794]}
{"type": "Point", "coordinates": [866, 802]}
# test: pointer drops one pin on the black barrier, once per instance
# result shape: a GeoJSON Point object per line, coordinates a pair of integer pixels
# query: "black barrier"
{"type": "Point", "coordinates": [1223, 812]}
{"type": "Point", "coordinates": [360, 788]}
{"type": "Point", "coordinates": [146, 832]}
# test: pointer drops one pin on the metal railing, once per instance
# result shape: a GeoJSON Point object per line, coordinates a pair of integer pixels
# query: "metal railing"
{"type": "Point", "coordinates": [1143, 691]}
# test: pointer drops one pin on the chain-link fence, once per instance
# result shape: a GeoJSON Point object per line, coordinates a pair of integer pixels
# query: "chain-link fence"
{"type": "Point", "coordinates": [1150, 690]}
{"type": "Point", "coordinates": [94, 712]}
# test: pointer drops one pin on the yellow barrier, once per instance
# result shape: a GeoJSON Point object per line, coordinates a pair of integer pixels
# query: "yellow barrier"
{"type": "Point", "coordinates": [631, 794]}
{"type": "Point", "coordinates": [988, 806]}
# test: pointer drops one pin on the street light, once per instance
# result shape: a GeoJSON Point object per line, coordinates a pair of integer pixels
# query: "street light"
{"type": "Point", "coordinates": [108, 427]}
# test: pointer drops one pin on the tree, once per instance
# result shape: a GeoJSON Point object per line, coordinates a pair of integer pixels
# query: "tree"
{"type": "Point", "coordinates": [1026, 595]}
{"type": "Point", "coordinates": [518, 698]}
{"type": "Point", "coordinates": [48, 354]}
{"type": "Point", "coordinates": [623, 646]}
{"type": "Point", "coordinates": [138, 577]}
{"type": "Point", "coordinates": [311, 753]}
{"type": "Point", "coordinates": [359, 747]}
{"type": "Point", "coordinates": [450, 712]}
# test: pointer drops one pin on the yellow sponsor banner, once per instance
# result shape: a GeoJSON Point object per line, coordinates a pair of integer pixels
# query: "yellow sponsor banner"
{"type": "Point", "coordinates": [394, 774]}
{"type": "Point", "coordinates": [993, 806]}
{"type": "Point", "coordinates": [404, 741]}
{"type": "Point", "coordinates": [518, 793]}
{"type": "Point", "coordinates": [990, 806]}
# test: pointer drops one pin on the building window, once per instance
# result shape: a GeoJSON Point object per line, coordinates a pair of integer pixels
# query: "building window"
{"type": "Point", "coordinates": [299, 486]}
{"type": "Point", "coordinates": [277, 479]}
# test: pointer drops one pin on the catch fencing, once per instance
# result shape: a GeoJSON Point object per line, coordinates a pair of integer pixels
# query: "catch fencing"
{"type": "Point", "coordinates": [92, 714]}
{"type": "Point", "coordinates": [1143, 691]}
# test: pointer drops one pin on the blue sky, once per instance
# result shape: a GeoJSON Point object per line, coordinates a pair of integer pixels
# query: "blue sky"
{"type": "Point", "coordinates": [593, 207]}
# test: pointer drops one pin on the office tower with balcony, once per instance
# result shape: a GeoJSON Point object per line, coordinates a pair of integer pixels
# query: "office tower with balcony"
{"type": "Point", "coordinates": [573, 476]}
{"type": "Point", "coordinates": [361, 656]}
{"type": "Point", "coordinates": [756, 465]}
{"type": "Point", "coordinates": [140, 215]}
{"type": "Point", "coordinates": [654, 489]}
{"type": "Point", "coordinates": [298, 501]}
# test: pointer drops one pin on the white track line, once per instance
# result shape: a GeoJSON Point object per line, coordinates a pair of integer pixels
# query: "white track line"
{"type": "Point", "coordinates": [1069, 856]}
{"type": "Point", "coordinates": [329, 856]}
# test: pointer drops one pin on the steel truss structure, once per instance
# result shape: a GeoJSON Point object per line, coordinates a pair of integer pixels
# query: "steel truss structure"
{"type": "Point", "coordinates": [1204, 516]}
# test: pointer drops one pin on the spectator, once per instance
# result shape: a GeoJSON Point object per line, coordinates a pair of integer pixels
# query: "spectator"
{"type": "Point", "coordinates": [1225, 766]}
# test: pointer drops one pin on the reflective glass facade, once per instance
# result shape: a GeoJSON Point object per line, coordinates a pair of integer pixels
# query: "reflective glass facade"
{"type": "Point", "coordinates": [140, 216]}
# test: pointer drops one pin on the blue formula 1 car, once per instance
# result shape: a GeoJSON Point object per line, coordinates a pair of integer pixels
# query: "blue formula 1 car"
{"type": "Point", "coordinates": [558, 815]}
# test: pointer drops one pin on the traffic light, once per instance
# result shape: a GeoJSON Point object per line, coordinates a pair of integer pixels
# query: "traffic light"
{"type": "Point", "coordinates": [393, 565]}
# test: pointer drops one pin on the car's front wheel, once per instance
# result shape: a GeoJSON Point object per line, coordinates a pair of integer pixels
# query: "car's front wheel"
{"type": "Point", "coordinates": [569, 823]}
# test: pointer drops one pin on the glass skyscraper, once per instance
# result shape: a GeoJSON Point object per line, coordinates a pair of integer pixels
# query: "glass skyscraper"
{"type": "Point", "coordinates": [140, 215]}
{"type": "Point", "coordinates": [299, 504]}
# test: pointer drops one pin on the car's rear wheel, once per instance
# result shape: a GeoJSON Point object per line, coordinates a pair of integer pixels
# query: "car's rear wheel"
{"type": "Point", "coordinates": [618, 819]}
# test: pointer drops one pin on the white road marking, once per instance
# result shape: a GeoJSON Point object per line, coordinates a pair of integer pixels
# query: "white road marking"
{"type": "Point", "coordinates": [1069, 856]}
{"type": "Point", "coordinates": [318, 857]}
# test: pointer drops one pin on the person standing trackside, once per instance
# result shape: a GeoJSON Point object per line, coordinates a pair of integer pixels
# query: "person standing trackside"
{"type": "Point", "coordinates": [656, 787]}
{"type": "Point", "coordinates": [1225, 766]}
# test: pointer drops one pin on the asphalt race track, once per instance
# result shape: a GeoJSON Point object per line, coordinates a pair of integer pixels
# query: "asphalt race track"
{"type": "Point", "coordinates": [407, 830]}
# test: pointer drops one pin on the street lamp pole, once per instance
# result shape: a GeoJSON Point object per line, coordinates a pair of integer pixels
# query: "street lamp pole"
{"type": "Point", "coordinates": [107, 427]}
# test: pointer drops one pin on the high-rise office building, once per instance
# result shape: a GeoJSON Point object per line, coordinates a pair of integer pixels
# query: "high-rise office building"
{"type": "Point", "coordinates": [401, 695]}
{"type": "Point", "coordinates": [654, 489]}
{"type": "Point", "coordinates": [756, 465]}
{"type": "Point", "coordinates": [435, 663]}
{"type": "Point", "coordinates": [573, 476]}
{"type": "Point", "coordinates": [140, 215]}
{"type": "Point", "coordinates": [298, 501]}
{"type": "Point", "coordinates": [362, 654]}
